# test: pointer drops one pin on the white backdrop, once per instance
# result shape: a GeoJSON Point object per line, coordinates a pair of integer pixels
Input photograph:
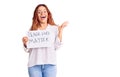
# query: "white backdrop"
{"type": "Point", "coordinates": [91, 40]}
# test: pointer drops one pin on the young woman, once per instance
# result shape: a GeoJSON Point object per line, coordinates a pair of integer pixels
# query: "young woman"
{"type": "Point", "coordinates": [42, 60]}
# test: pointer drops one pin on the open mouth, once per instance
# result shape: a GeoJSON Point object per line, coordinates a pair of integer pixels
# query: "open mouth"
{"type": "Point", "coordinates": [43, 17]}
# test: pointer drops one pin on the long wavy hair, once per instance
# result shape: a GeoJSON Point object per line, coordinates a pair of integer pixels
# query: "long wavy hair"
{"type": "Point", "coordinates": [35, 19]}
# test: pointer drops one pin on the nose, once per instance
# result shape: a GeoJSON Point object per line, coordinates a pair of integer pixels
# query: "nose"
{"type": "Point", "coordinates": [42, 13]}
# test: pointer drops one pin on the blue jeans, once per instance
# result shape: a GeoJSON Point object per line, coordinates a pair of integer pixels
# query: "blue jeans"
{"type": "Point", "coordinates": [46, 70]}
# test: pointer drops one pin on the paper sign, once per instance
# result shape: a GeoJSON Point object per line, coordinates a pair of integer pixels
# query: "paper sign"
{"type": "Point", "coordinates": [40, 38]}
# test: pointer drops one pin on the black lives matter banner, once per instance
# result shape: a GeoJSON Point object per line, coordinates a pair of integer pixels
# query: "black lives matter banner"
{"type": "Point", "coordinates": [40, 38]}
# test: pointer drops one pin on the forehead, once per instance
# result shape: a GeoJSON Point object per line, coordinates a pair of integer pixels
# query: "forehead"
{"type": "Point", "coordinates": [40, 8]}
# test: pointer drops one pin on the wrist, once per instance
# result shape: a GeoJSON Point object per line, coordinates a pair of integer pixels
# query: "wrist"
{"type": "Point", "coordinates": [60, 30]}
{"type": "Point", "coordinates": [25, 45]}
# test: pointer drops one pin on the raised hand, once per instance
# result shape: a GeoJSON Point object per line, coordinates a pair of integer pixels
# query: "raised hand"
{"type": "Point", "coordinates": [64, 24]}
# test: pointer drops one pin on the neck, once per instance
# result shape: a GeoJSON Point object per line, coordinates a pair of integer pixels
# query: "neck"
{"type": "Point", "coordinates": [43, 25]}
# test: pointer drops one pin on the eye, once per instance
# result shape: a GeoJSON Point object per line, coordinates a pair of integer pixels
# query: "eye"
{"type": "Point", "coordinates": [39, 12]}
{"type": "Point", "coordinates": [45, 11]}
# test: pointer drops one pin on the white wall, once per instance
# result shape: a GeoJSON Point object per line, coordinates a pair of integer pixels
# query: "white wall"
{"type": "Point", "coordinates": [91, 40]}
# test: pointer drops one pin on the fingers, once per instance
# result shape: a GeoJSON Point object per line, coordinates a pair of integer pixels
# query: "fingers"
{"type": "Point", "coordinates": [64, 24]}
{"type": "Point", "coordinates": [25, 39]}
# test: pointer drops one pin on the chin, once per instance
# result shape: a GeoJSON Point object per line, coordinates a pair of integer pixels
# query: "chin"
{"type": "Point", "coordinates": [43, 22]}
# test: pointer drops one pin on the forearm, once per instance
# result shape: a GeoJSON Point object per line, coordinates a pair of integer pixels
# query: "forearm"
{"type": "Point", "coordinates": [60, 35]}
{"type": "Point", "coordinates": [60, 28]}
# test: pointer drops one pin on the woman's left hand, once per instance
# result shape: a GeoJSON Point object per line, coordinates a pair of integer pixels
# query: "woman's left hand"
{"type": "Point", "coordinates": [63, 25]}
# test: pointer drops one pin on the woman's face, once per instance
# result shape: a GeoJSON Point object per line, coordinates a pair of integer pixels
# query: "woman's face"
{"type": "Point", "coordinates": [42, 14]}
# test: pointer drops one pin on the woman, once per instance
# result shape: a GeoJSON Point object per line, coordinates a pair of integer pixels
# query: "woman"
{"type": "Point", "coordinates": [42, 60]}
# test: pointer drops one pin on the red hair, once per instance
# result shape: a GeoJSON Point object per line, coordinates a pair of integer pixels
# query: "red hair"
{"type": "Point", "coordinates": [35, 20]}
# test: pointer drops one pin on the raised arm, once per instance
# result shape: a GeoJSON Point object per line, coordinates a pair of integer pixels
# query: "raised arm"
{"type": "Point", "coordinates": [60, 28]}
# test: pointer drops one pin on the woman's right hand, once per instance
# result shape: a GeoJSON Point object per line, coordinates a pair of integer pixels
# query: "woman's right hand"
{"type": "Point", "coordinates": [25, 40]}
